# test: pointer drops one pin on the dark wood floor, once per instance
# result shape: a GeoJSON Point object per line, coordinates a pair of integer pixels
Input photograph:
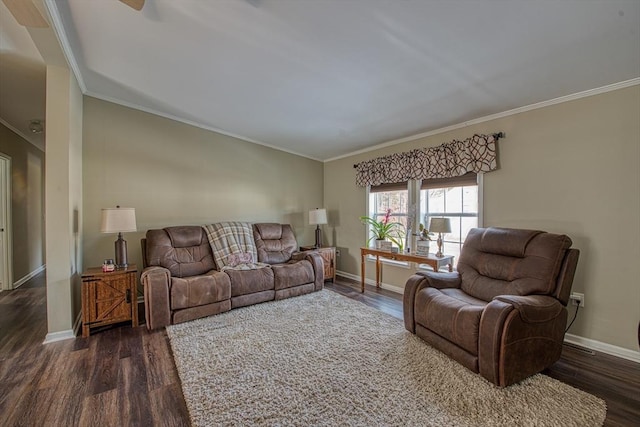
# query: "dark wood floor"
{"type": "Point", "coordinates": [126, 377]}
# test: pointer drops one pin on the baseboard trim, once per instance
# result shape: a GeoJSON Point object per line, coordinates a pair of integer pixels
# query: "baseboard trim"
{"type": "Point", "coordinates": [613, 350]}
{"type": "Point", "coordinates": [29, 276]}
{"type": "Point", "coordinates": [59, 336]}
{"type": "Point", "coordinates": [371, 282]}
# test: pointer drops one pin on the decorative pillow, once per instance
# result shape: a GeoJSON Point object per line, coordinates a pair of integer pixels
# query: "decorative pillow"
{"type": "Point", "coordinates": [234, 260]}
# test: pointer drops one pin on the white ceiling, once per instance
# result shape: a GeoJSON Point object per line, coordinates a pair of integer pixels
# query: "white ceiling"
{"type": "Point", "coordinates": [325, 78]}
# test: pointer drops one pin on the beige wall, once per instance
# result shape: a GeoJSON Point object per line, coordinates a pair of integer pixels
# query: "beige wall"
{"type": "Point", "coordinates": [176, 174]}
{"type": "Point", "coordinates": [27, 202]}
{"type": "Point", "coordinates": [63, 187]}
{"type": "Point", "coordinates": [570, 168]}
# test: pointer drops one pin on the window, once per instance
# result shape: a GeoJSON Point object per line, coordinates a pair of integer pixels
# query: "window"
{"type": "Point", "coordinates": [453, 198]}
{"type": "Point", "coordinates": [389, 196]}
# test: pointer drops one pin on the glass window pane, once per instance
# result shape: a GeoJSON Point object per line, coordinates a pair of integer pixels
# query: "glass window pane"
{"type": "Point", "coordinates": [436, 200]}
{"type": "Point", "coordinates": [453, 199]}
{"type": "Point", "coordinates": [454, 236]}
{"type": "Point", "coordinates": [470, 199]}
{"type": "Point", "coordinates": [467, 224]}
{"type": "Point", "coordinates": [460, 205]}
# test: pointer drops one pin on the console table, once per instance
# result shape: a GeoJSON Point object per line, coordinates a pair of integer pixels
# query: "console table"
{"type": "Point", "coordinates": [432, 260]}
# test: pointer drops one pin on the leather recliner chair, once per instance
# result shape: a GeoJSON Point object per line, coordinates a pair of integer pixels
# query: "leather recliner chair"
{"type": "Point", "coordinates": [502, 314]}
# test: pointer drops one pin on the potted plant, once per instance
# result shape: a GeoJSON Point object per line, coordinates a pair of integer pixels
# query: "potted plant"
{"type": "Point", "coordinates": [424, 237]}
{"type": "Point", "coordinates": [384, 231]}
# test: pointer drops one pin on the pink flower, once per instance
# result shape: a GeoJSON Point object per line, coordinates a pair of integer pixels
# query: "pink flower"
{"type": "Point", "coordinates": [385, 220]}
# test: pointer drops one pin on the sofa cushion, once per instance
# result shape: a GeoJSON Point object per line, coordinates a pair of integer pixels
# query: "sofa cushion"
{"type": "Point", "coordinates": [245, 282]}
{"type": "Point", "coordinates": [451, 314]}
{"type": "Point", "coordinates": [275, 242]}
{"type": "Point", "coordinates": [294, 273]}
{"type": "Point", "coordinates": [184, 251]}
{"type": "Point", "coordinates": [199, 290]}
{"type": "Point", "coordinates": [498, 261]}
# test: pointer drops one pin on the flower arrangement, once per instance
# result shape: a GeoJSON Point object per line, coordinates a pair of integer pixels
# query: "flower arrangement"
{"type": "Point", "coordinates": [385, 229]}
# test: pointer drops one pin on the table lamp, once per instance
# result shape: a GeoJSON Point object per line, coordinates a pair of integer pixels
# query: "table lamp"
{"type": "Point", "coordinates": [119, 220]}
{"type": "Point", "coordinates": [440, 225]}
{"type": "Point", "coordinates": [318, 217]}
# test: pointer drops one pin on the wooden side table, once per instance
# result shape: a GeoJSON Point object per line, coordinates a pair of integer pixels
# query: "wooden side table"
{"type": "Point", "coordinates": [328, 255]}
{"type": "Point", "coordinates": [432, 260]}
{"type": "Point", "coordinates": [109, 298]}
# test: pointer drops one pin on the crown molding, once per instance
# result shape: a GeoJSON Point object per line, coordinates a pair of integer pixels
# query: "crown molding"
{"type": "Point", "coordinates": [58, 29]}
{"type": "Point", "coordinates": [554, 101]}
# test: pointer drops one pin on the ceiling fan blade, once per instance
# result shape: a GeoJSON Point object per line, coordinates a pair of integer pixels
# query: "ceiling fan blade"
{"type": "Point", "coordinates": [136, 4]}
{"type": "Point", "coordinates": [26, 13]}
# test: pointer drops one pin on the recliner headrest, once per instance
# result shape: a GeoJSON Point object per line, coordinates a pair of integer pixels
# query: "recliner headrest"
{"type": "Point", "coordinates": [185, 236]}
{"type": "Point", "coordinates": [504, 241]}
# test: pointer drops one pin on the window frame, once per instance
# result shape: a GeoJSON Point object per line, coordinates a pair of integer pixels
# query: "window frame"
{"type": "Point", "coordinates": [478, 215]}
{"type": "Point", "coordinates": [371, 213]}
{"type": "Point", "coordinates": [414, 188]}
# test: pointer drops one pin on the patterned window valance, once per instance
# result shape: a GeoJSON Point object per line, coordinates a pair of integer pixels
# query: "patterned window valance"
{"type": "Point", "coordinates": [476, 154]}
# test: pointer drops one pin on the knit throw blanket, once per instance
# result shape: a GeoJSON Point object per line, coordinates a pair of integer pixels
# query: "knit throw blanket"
{"type": "Point", "coordinates": [233, 246]}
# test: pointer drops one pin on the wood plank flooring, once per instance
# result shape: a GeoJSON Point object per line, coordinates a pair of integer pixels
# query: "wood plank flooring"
{"type": "Point", "coordinates": [123, 376]}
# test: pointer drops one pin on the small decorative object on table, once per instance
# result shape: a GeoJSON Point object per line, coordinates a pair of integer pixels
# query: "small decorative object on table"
{"type": "Point", "coordinates": [108, 266]}
{"type": "Point", "coordinates": [424, 238]}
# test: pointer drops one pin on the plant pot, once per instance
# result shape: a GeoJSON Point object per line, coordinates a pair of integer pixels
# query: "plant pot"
{"type": "Point", "coordinates": [422, 247]}
{"type": "Point", "coordinates": [383, 245]}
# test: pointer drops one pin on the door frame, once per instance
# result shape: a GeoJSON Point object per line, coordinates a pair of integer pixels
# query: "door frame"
{"type": "Point", "coordinates": [5, 205]}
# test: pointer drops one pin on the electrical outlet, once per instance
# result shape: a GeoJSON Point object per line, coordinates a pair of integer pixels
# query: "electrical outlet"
{"type": "Point", "coordinates": [577, 299]}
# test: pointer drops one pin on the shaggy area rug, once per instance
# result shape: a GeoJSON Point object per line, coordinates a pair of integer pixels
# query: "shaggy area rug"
{"type": "Point", "coordinates": [325, 360]}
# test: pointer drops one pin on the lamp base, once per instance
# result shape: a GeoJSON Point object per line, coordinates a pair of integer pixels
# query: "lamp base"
{"type": "Point", "coordinates": [121, 252]}
{"type": "Point", "coordinates": [439, 254]}
{"type": "Point", "coordinates": [318, 237]}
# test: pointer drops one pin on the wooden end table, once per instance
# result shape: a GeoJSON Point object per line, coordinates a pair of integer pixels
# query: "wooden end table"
{"type": "Point", "coordinates": [431, 260]}
{"type": "Point", "coordinates": [109, 297]}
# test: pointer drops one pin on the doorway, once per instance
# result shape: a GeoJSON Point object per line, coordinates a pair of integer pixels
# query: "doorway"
{"type": "Point", "coordinates": [6, 274]}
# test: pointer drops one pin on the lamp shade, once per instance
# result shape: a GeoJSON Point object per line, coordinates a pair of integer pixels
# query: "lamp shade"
{"type": "Point", "coordinates": [318, 216]}
{"type": "Point", "coordinates": [440, 225]}
{"type": "Point", "coordinates": [118, 220]}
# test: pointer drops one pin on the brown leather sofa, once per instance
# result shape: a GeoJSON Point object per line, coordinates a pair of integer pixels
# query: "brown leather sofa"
{"type": "Point", "coordinates": [502, 314]}
{"type": "Point", "coordinates": [181, 281]}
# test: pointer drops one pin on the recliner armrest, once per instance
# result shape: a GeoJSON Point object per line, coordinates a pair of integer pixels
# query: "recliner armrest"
{"type": "Point", "coordinates": [318, 265]}
{"type": "Point", "coordinates": [533, 308]}
{"type": "Point", "coordinates": [442, 280]}
{"type": "Point", "coordinates": [156, 282]}
{"type": "Point", "coordinates": [299, 256]}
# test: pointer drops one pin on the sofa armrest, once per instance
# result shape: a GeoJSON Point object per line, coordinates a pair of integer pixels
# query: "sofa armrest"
{"type": "Point", "coordinates": [441, 280]}
{"type": "Point", "coordinates": [156, 282]}
{"type": "Point", "coordinates": [534, 308]}
{"type": "Point", "coordinates": [318, 267]}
